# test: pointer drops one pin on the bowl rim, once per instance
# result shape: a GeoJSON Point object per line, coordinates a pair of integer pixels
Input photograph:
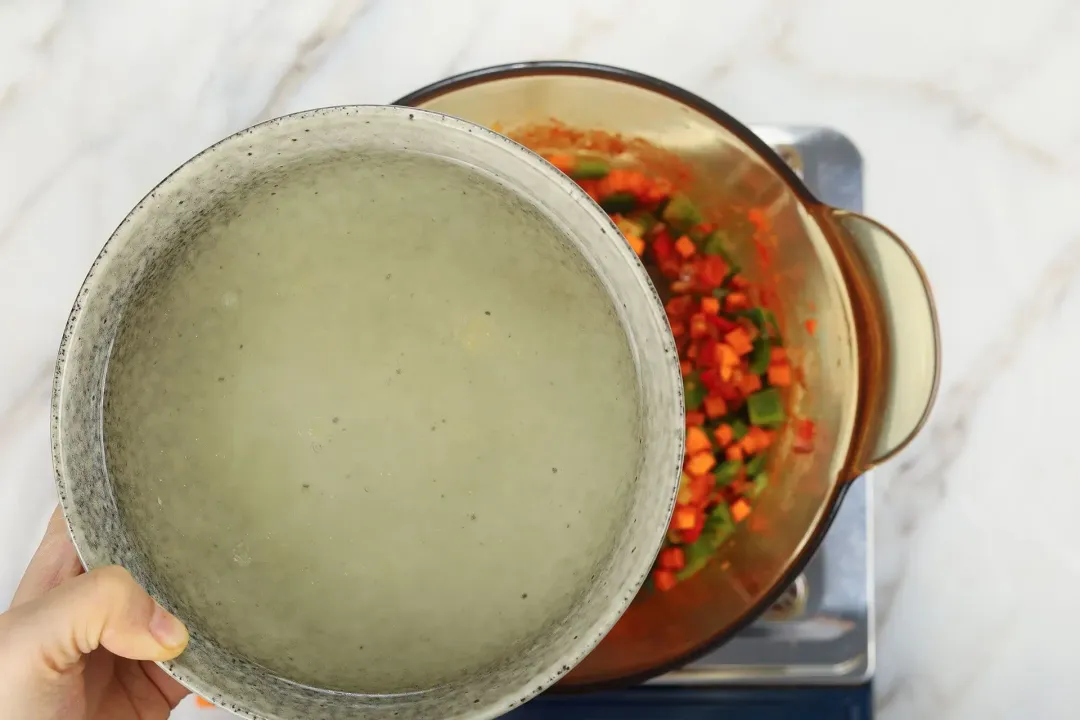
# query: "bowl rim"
{"type": "Point", "coordinates": [74, 517]}
{"type": "Point", "coordinates": [814, 536]}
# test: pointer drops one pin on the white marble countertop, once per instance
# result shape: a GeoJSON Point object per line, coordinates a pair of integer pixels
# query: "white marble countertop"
{"type": "Point", "coordinates": [968, 116]}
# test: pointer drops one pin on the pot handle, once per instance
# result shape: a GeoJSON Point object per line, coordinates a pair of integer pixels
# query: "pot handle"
{"type": "Point", "coordinates": [908, 325]}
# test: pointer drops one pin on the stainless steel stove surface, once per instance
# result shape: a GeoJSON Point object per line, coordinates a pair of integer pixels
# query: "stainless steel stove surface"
{"type": "Point", "coordinates": [821, 631]}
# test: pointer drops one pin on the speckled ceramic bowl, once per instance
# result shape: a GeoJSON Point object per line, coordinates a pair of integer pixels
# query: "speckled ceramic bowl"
{"type": "Point", "coordinates": [129, 268]}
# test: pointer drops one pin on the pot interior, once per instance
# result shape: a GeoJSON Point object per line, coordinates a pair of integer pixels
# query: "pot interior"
{"type": "Point", "coordinates": [638, 122]}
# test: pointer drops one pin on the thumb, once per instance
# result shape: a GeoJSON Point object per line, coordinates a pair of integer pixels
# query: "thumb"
{"type": "Point", "coordinates": [103, 608]}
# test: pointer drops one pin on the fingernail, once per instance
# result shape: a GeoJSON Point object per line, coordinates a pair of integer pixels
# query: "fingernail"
{"type": "Point", "coordinates": [167, 630]}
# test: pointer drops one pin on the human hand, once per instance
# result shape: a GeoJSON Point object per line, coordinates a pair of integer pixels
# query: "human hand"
{"type": "Point", "coordinates": [77, 646]}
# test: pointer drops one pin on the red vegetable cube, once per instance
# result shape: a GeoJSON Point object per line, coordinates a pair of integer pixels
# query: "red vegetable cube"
{"type": "Point", "coordinates": [663, 580]}
{"type": "Point", "coordinates": [672, 558]}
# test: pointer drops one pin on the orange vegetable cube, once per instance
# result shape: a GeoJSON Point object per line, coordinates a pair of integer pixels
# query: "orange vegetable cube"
{"type": "Point", "coordinates": [740, 341]}
{"type": "Point", "coordinates": [736, 301]}
{"type": "Point", "coordinates": [710, 305]}
{"type": "Point", "coordinates": [685, 247]}
{"type": "Point", "coordinates": [699, 326]}
{"type": "Point", "coordinates": [811, 326]}
{"type": "Point", "coordinates": [777, 354]}
{"type": "Point", "coordinates": [779, 375]}
{"type": "Point", "coordinates": [636, 244]}
{"type": "Point", "coordinates": [740, 509]}
{"type": "Point", "coordinates": [724, 435]}
{"type": "Point", "coordinates": [749, 383]}
{"type": "Point", "coordinates": [565, 163]}
{"type": "Point", "coordinates": [664, 580]}
{"type": "Point", "coordinates": [697, 440]}
{"type": "Point", "coordinates": [734, 452]}
{"type": "Point", "coordinates": [685, 368]}
{"type": "Point", "coordinates": [701, 463]}
{"type": "Point", "coordinates": [695, 417]}
{"type": "Point", "coordinates": [715, 406]}
{"type": "Point", "coordinates": [685, 518]}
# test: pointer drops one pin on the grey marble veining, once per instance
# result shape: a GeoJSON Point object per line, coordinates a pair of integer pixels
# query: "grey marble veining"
{"type": "Point", "coordinates": [966, 113]}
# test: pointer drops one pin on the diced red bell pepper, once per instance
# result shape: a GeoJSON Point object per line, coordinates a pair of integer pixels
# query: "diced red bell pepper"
{"type": "Point", "coordinates": [722, 324]}
{"type": "Point", "coordinates": [715, 406]}
{"type": "Point", "coordinates": [664, 580]}
{"type": "Point", "coordinates": [672, 558]}
{"type": "Point", "coordinates": [710, 272]}
{"type": "Point", "coordinates": [690, 536]}
{"type": "Point", "coordinates": [804, 436]}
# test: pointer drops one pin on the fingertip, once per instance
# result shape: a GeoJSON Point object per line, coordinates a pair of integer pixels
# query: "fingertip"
{"type": "Point", "coordinates": [169, 631]}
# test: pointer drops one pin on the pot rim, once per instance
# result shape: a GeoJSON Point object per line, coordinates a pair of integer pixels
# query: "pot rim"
{"type": "Point", "coordinates": [816, 535]}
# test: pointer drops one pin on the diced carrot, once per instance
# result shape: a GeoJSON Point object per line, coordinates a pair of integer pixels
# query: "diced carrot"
{"type": "Point", "coordinates": [203, 703]}
{"type": "Point", "coordinates": [724, 435]}
{"type": "Point", "coordinates": [701, 463]}
{"type": "Point", "coordinates": [691, 535]}
{"type": "Point", "coordinates": [755, 440]}
{"type": "Point", "coordinates": [779, 374]}
{"type": "Point", "coordinates": [692, 351]}
{"type": "Point", "coordinates": [777, 354]}
{"type": "Point", "coordinates": [740, 341]}
{"type": "Point", "coordinates": [663, 580]}
{"type": "Point", "coordinates": [740, 509]}
{"type": "Point", "coordinates": [698, 326]}
{"type": "Point", "coordinates": [734, 452]}
{"type": "Point", "coordinates": [715, 406]}
{"type": "Point", "coordinates": [736, 301]}
{"type": "Point", "coordinates": [685, 368]}
{"type": "Point", "coordinates": [672, 558]}
{"type": "Point", "coordinates": [749, 383]}
{"type": "Point", "coordinates": [726, 357]}
{"type": "Point", "coordinates": [697, 440]}
{"type": "Point", "coordinates": [684, 518]}
{"type": "Point", "coordinates": [678, 328]}
{"type": "Point", "coordinates": [710, 305]}
{"type": "Point", "coordinates": [636, 244]}
{"type": "Point", "coordinates": [565, 163]}
{"type": "Point", "coordinates": [679, 306]}
{"type": "Point", "coordinates": [695, 417]}
{"type": "Point", "coordinates": [811, 326]}
{"type": "Point", "coordinates": [685, 247]}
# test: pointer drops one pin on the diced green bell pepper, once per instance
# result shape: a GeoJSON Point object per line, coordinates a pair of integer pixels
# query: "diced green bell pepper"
{"type": "Point", "coordinates": [681, 213]}
{"type": "Point", "coordinates": [739, 429]}
{"type": "Point", "coordinates": [766, 407]}
{"type": "Point", "coordinates": [717, 243]}
{"type": "Point", "coordinates": [765, 321]}
{"type": "Point", "coordinates": [761, 356]}
{"type": "Point", "coordinates": [757, 485]}
{"type": "Point", "coordinates": [693, 391]}
{"type": "Point", "coordinates": [755, 465]}
{"type": "Point", "coordinates": [621, 202]}
{"type": "Point", "coordinates": [590, 169]}
{"type": "Point", "coordinates": [727, 471]}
